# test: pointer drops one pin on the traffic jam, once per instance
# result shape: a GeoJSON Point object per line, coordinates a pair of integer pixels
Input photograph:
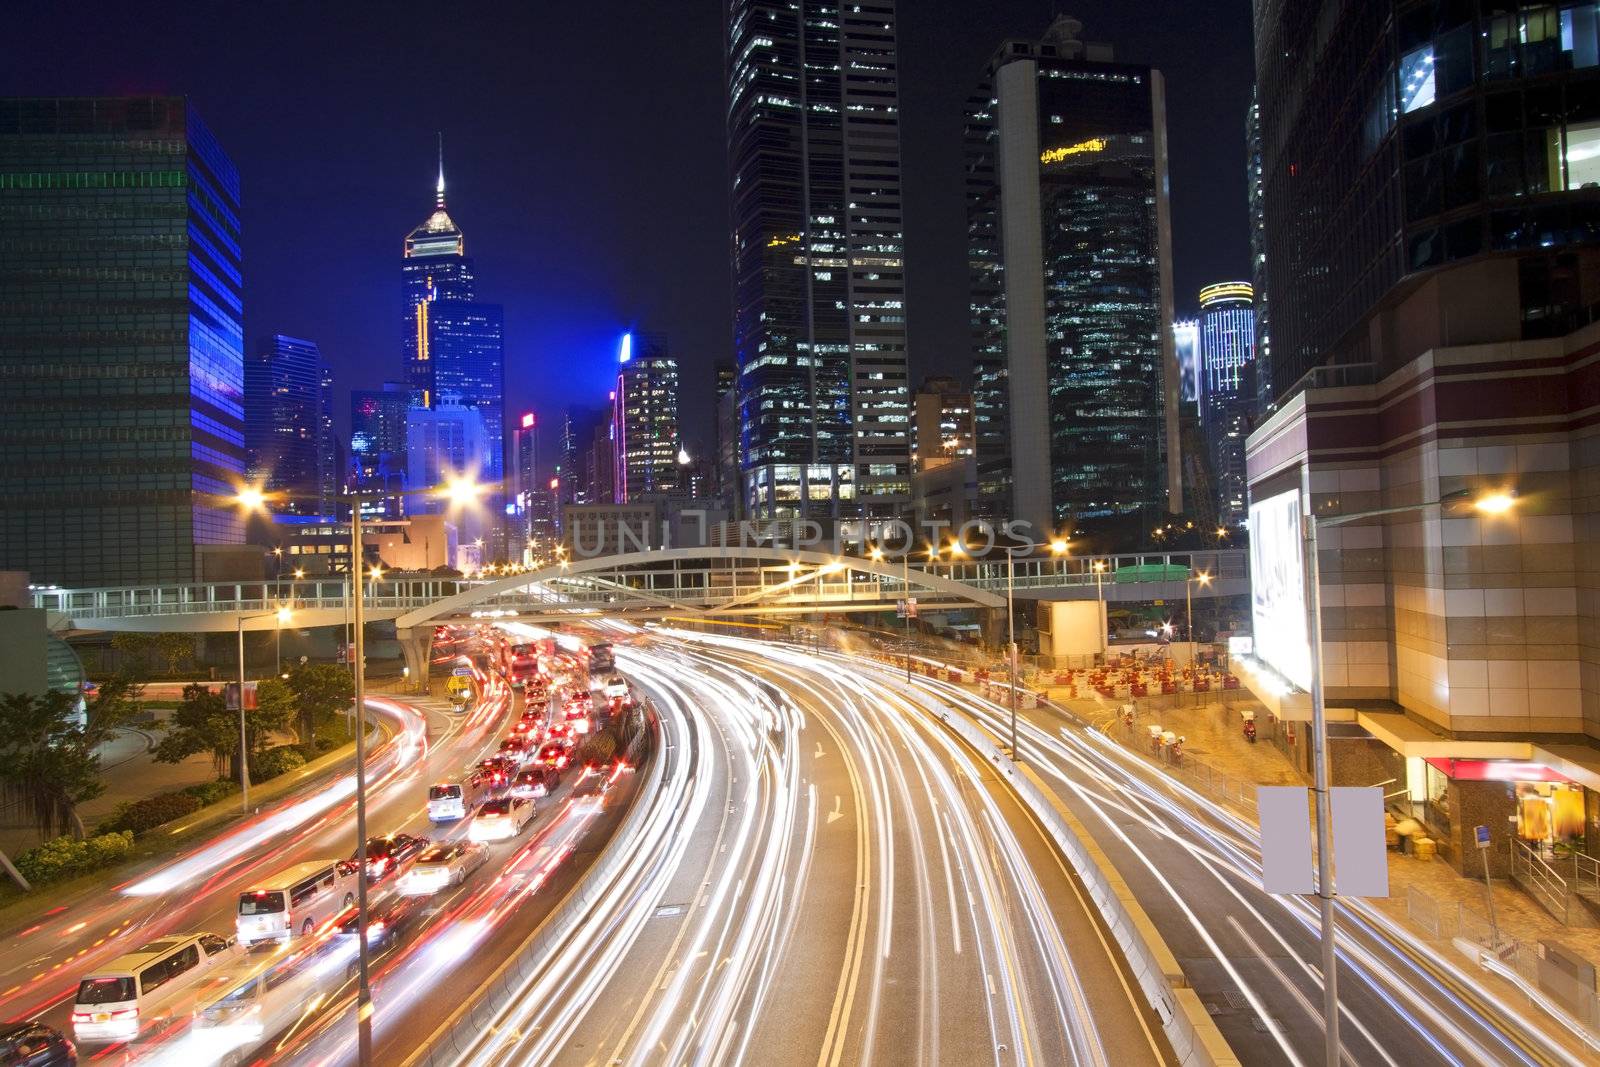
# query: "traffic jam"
{"type": "Point", "coordinates": [495, 831]}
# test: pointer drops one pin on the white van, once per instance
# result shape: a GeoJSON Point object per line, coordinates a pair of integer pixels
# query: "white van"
{"type": "Point", "coordinates": [296, 901]}
{"type": "Point", "coordinates": [116, 1000]}
{"type": "Point", "coordinates": [257, 1006]}
{"type": "Point", "coordinates": [448, 801]}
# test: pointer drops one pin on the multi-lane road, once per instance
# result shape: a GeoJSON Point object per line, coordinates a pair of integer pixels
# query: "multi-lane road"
{"type": "Point", "coordinates": [810, 869]}
{"type": "Point", "coordinates": [835, 880]}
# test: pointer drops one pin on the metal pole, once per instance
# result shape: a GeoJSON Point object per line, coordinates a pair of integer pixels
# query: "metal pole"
{"type": "Point", "coordinates": [905, 592]}
{"type": "Point", "coordinates": [1188, 613]}
{"type": "Point", "coordinates": [1011, 649]}
{"type": "Point", "coordinates": [1488, 896]}
{"type": "Point", "coordinates": [244, 745]}
{"type": "Point", "coordinates": [1319, 759]}
{"type": "Point", "coordinates": [363, 987]}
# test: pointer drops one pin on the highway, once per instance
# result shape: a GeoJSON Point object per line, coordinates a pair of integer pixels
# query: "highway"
{"type": "Point", "coordinates": [828, 877]}
{"type": "Point", "coordinates": [456, 940]}
{"type": "Point", "coordinates": [1254, 957]}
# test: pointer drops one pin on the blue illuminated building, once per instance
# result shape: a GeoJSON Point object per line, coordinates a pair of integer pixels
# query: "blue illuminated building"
{"type": "Point", "coordinates": [453, 344]}
{"type": "Point", "coordinates": [122, 413]}
{"type": "Point", "coordinates": [284, 439]}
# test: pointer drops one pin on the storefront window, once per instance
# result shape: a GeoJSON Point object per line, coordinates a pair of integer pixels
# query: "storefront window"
{"type": "Point", "coordinates": [1551, 812]}
{"type": "Point", "coordinates": [1437, 810]}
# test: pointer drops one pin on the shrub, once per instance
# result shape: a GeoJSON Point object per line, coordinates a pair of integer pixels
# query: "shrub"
{"type": "Point", "coordinates": [143, 815]}
{"type": "Point", "coordinates": [208, 793]}
{"type": "Point", "coordinates": [66, 857]}
{"type": "Point", "coordinates": [595, 751]}
{"type": "Point", "coordinates": [276, 761]}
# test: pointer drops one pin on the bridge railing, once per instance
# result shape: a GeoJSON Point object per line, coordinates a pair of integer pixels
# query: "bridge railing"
{"type": "Point", "coordinates": [700, 585]}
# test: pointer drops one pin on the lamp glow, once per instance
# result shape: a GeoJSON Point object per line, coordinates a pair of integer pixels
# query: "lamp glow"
{"type": "Point", "coordinates": [1496, 503]}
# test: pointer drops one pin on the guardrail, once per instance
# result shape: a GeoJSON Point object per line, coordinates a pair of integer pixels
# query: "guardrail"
{"type": "Point", "coordinates": [1543, 883]}
{"type": "Point", "coordinates": [476, 1017]}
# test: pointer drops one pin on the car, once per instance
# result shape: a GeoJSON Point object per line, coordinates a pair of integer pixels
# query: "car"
{"type": "Point", "coordinates": [589, 794]}
{"type": "Point", "coordinates": [442, 866]}
{"type": "Point", "coordinates": [387, 927]}
{"type": "Point", "coordinates": [554, 754]}
{"type": "Point", "coordinates": [389, 854]}
{"type": "Point", "coordinates": [536, 781]}
{"type": "Point", "coordinates": [517, 748]}
{"type": "Point", "coordinates": [527, 727]}
{"type": "Point", "coordinates": [499, 770]}
{"type": "Point", "coordinates": [34, 1044]}
{"type": "Point", "coordinates": [501, 819]}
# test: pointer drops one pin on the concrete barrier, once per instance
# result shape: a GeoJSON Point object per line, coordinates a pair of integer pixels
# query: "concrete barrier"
{"type": "Point", "coordinates": [1189, 1029]}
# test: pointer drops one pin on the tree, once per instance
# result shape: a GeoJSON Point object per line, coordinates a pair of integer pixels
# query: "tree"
{"type": "Point", "coordinates": [115, 703]}
{"type": "Point", "coordinates": [202, 723]}
{"type": "Point", "coordinates": [47, 767]}
{"type": "Point", "coordinates": [275, 709]}
{"type": "Point", "coordinates": [323, 690]}
{"type": "Point", "coordinates": [171, 649]}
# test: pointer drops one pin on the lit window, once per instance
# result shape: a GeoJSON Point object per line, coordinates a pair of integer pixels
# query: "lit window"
{"type": "Point", "coordinates": [1416, 79]}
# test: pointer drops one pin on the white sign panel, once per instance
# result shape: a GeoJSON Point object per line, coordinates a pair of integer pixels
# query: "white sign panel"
{"type": "Point", "coordinates": [1277, 587]}
{"type": "Point", "coordinates": [1360, 859]}
{"type": "Point", "coordinates": [1285, 839]}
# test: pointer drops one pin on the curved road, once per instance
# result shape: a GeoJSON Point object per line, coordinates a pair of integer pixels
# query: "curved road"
{"type": "Point", "coordinates": [832, 879]}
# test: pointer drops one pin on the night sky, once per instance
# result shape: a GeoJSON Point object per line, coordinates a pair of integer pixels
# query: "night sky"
{"type": "Point", "coordinates": [584, 153]}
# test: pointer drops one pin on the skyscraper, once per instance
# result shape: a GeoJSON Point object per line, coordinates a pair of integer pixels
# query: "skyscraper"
{"type": "Point", "coordinates": [1227, 390]}
{"type": "Point", "coordinates": [330, 456]}
{"type": "Point", "coordinates": [1431, 194]}
{"type": "Point", "coordinates": [1258, 259]}
{"type": "Point", "coordinates": [122, 411]}
{"type": "Point", "coordinates": [453, 344]}
{"type": "Point", "coordinates": [1070, 251]}
{"type": "Point", "coordinates": [644, 418]}
{"type": "Point", "coordinates": [378, 444]}
{"type": "Point", "coordinates": [818, 258]}
{"type": "Point", "coordinates": [283, 429]}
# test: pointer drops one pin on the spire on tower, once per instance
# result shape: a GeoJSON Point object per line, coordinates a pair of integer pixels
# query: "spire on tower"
{"type": "Point", "coordinates": [438, 189]}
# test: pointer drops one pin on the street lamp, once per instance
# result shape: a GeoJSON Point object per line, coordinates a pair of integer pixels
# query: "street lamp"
{"type": "Point", "coordinates": [1058, 547]}
{"type": "Point", "coordinates": [1496, 502]}
{"type": "Point", "coordinates": [1204, 578]}
{"type": "Point", "coordinates": [460, 492]}
{"type": "Point", "coordinates": [282, 614]}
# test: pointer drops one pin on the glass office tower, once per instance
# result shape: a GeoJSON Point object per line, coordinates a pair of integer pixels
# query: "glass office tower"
{"type": "Point", "coordinates": [122, 374]}
{"type": "Point", "coordinates": [818, 259]}
{"type": "Point", "coordinates": [453, 344]}
{"type": "Point", "coordinates": [1071, 279]}
{"type": "Point", "coordinates": [283, 432]}
{"type": "Point", "coordinates": [1227, 390]}
{"type": "Point", "coordinates": [644, 416]}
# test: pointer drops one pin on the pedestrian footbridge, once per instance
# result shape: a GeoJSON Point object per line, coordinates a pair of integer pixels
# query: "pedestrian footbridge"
{"type": "Point", "coordinates": [710, 582]}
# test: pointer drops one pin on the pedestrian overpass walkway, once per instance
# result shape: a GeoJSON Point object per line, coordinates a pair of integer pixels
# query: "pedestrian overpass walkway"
{"type": "Point", "coordinates": [713, 582]}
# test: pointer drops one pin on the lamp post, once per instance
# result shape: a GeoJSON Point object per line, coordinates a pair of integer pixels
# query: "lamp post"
{"type": "Point", "coordinates": [282, 615]}
{"type": "Point", "coordinates": [460, 491]}
{"type": "Point", "coordinates": [1204, 578]}
{"type": "Point", "coordinates": [1494, 503]}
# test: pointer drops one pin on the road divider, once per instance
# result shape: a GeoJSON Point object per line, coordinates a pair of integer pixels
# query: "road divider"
{"type": "Point", "coordinates": [1194, 1037]}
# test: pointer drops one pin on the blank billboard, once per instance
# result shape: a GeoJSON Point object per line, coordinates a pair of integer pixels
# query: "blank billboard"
{"type": "Point", "coordinates": [1277, 587]}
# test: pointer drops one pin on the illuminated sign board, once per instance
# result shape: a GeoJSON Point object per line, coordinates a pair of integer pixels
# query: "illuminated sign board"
{"type": "Point", "coordinates": [1277, 587]}
{"type": "Point", "coordinates": [1056, 155]}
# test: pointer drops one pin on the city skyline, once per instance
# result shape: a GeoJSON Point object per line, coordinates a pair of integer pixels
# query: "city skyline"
{"type": "Point", "coordinates": [579, 286]}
